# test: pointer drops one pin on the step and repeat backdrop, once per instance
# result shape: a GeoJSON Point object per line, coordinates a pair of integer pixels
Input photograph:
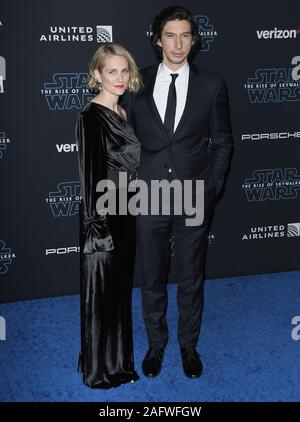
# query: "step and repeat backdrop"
{"type": "Point", "coordinates": [45, 47]}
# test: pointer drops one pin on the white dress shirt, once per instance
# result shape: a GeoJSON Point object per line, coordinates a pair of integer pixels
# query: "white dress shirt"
{"type": "Point", "coordinates": [161, 90]}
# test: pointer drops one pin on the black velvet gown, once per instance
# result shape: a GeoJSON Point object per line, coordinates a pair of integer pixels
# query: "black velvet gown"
{"type": "Point", "coordinates": [106, 145]}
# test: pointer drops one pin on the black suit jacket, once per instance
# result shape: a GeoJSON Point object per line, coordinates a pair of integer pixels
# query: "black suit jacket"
{"type": "Point", "coordinates": [206, 117]}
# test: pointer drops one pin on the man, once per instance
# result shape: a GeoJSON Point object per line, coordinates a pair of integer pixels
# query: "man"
{"type": "Point", "coordinates": [179, 108]}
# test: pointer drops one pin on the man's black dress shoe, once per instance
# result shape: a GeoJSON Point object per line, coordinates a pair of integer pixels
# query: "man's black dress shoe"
{"type": "Point", "coordinates": [192, 365]}
{"type": "Point", "coordinates": [151, 365]}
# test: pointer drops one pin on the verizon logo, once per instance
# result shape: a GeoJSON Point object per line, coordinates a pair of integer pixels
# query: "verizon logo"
{"type": "Point", "coordinates": [66, 147]}
{"type": "Point", "coordinates": [277, 33]}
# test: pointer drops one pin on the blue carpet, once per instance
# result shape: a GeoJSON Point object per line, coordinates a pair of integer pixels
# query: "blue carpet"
{"type": "Point", "coordinates": [246, 347]}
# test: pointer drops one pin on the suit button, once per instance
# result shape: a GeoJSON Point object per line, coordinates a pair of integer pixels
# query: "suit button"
{"type": "Point", "coordinates": [168, 168]}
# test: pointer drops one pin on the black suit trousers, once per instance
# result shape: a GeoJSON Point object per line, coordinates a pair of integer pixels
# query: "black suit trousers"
{"type": "Point", "coordinates": [153, 252]}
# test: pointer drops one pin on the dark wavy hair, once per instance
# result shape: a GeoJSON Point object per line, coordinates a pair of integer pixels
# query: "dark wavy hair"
{"type": "Point", "coordinates": [172, 13]}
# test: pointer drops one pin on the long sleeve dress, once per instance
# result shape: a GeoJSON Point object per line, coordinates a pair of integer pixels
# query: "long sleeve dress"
{"type": "Point", "coordinates": [106, 145]}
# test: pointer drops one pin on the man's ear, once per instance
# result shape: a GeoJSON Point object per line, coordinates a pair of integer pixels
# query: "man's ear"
{"type": "Point", "coordinates": [159, 43]}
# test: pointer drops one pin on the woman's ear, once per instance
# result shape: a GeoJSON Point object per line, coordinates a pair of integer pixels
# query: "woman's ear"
{"type": "Point", "coordinates": [97, 75]}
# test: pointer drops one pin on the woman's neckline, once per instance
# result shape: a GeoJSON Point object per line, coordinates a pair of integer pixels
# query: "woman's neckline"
{"type": "Point", "coordinates": [107, 108]}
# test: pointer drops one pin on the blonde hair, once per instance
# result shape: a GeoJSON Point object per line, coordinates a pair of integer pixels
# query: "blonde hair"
{"type": "Point", "coordinates": [98, 63]}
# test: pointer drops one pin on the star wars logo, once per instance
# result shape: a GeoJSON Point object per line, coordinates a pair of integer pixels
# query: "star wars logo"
{"type": "Point", "coordinates": [206, 32]}
{"type": "Point", "coordinates": [275, 85]}
{"type": "Point", "coordinates": [4, 141]}
{"type": "Point", "coordinates": [6, 257]}
{"type": "Point", "coordinates": [272, 185]}
{"type": "Point", "coordinates": [66, 200]}
{"type": "Point", "coordinates": [67, 91]}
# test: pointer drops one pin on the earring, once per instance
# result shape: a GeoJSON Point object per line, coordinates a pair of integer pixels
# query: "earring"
{"type": "Point", "coordinates": [99, 86]}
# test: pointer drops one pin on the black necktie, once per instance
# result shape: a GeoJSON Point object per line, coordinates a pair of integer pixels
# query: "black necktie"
{"type": "Point", "coordinates": [171, 106]}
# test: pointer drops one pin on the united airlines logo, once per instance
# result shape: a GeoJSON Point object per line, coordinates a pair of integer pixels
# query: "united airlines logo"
{"type": "Point", "coordinates": [64, 34]}
{"type": "Point", "coordinates": [6, 257]}
{"type": "Point", "coordinates": [275, 85]}
{"type": "Point", "coordinates": [104, 33]}
{"type": "Point", "coordinates": [293, 230]}
{"type": "Point", "coordinates": [279, 231]}
{"type": "Point", "coordinates": [65, 201]}
{"type": "Point", "coordinates": [4, 141]}
{"type": "Point", "coordinates": [67, 91]}
{"type": "Point", "coordinates": [272, 185]}
{"type": "Point", "coordinates": [206, 30]}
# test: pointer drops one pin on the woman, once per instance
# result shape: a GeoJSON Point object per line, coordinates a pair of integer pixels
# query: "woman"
{"type": "Point", "coordinates": [106, 146]}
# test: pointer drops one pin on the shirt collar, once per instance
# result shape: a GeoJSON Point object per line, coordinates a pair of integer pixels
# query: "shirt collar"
{"type": "Point", "coordinates": [164, 72]}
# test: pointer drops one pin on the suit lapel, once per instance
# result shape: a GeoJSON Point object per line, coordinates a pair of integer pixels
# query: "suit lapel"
{"type": "Point", "coordinates": [192, 94]}
{"type": "Point", "coordinates": [149, 83]}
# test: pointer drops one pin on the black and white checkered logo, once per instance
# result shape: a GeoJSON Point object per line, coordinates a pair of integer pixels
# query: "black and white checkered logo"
{"type": "Point", "coordinates": [104, 34]}
{"type": "Point", "coordinates": [293, 230]}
